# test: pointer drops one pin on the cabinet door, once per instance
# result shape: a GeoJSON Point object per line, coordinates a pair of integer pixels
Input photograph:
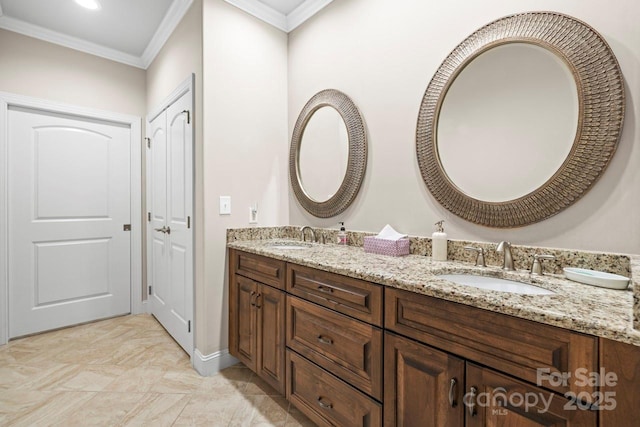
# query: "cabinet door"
{"type": "Point", "coordinates": [243, 320]}
{"type": "Point", "coordinates": [619, 383]}
{"type": "Point", "coordinates": [423, 386]}
{"type": "Point", "coordinates": [493, 399]}
{"type": "Point", "coordinates": [270, 304]}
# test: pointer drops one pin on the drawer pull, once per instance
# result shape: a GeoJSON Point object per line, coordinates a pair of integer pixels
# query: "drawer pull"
{"type": "Point", "coordinates": [325, 405]}
{"type": "Point", "coordinates": [256, 304]}
{"type": "Point", "coordinates": [325, 289]}
{"type": "Point", "coordinates": [453, 385]}
{"type": "Point", "coordinates": [325, 340]}
{"type": "Point", "coordinates": [471, 404]}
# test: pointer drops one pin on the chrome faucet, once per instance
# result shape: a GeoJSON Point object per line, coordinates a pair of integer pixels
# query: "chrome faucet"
{"type": "Point", "coordinates": [507, 260]}
{"type": "Point", "coordinates": [303, 236]}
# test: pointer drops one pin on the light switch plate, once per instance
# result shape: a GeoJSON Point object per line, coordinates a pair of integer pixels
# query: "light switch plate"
{"type": "Point", "coordinates": [225, 205]}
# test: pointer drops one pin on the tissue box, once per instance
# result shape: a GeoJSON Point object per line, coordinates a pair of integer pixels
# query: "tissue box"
{"type": "Point", "coordinates": [375, 245]}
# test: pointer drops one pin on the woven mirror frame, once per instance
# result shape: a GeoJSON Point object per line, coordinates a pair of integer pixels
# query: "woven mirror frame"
{"type": "Point", "coordinates": [356, 163]}
{"type": "Point", "coordinates": [600, 117]}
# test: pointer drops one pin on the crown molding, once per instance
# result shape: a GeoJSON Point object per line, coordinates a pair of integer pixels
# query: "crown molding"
{"type": "Point", "coordinates": [55, 37]}
{"type": "Point", "coordinates": [303, 12]}
{"type": "Point", "coordinates": [283, 22]}
{"type": "Point", "coordinates": [262, 12]}
{"type": "Point", "coordinates": [172, 18]}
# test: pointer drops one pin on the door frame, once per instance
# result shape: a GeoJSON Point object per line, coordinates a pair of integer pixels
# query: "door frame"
{"type": "Point", "coordinates": [14, 100]}
{"type": "Point", "coordinates": [186, 86]}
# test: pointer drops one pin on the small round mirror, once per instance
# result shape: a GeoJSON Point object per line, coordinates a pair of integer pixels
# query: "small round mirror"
{"type": "Point", "coordinates": [328, 154]}
{"type": "Point", "coordinates": [324, 152]}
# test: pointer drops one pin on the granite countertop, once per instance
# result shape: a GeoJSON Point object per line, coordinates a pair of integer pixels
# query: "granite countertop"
{"type": "Point", "coordinates": [596, 311]}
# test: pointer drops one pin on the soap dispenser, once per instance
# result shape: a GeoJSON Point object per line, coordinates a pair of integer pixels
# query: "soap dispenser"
{"type": "Point", "coordinates": [439, 243]}
{"type": "Point", "coordinates": [342, 235]}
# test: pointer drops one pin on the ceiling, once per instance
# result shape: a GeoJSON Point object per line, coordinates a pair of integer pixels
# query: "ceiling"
{"type": "Point", "coordinates": [131, 31]}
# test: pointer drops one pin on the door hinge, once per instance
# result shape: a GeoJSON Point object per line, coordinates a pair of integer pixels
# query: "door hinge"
{"type": "Point", "coordinates": [150, 287]}
{"type": "Point", "coordinates": [149, 216]}
{"type": "Point", "coordinates": [188, 222]}
{"type": "Point", "coordinates": [148, 142]}
{"type": "Point", "coordinates": [189, 326]}
{"type": "Point", "coordinates": [126, 227]}
{"type": "Point", "coordinates": [188, 113]}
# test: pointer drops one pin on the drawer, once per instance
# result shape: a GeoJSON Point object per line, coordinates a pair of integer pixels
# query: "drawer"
{"type": "Point", "coordinates": [348, 348]}
{"type": "Point", "coordinates": [262, 269]}
{"type": "Point", "coordinates": [353, 297]}
{"type": "Point", "coordinates": [325, 399]}
{"type": "Point", "coordinates": [516, 346]}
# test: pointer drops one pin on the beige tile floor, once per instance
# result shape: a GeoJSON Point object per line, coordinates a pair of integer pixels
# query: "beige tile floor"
{"type": "Point", "coordinates": [127, 371]}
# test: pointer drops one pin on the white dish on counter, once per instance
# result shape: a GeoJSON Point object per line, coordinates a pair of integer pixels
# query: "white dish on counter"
{"type": "Point", "coordinates": [596, 278]}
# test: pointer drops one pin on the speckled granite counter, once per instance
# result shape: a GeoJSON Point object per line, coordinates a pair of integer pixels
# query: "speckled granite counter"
{"type": "Point", "coordinates": [596, 311]}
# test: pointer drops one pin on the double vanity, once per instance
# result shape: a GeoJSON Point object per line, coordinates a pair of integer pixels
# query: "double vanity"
{"type": "Point", "coordinates": [358, 339]}
{"type": "Point", "coordinates": [518, 123]}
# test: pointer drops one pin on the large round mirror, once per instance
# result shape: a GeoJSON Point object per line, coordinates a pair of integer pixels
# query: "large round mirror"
{"type": "Point", "coordinates": [328, 154]}
{"type": "Point", "coordinates": [324, 152]}
{"type": "Point", "coordinates": [520, 120]}
{"type": "Point", "coordinates": [507, 122]}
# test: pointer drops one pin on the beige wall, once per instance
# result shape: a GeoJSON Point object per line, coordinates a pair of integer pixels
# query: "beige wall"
{"type": "Point", "coordinates": [36, 68]}
{"type": "Point", "coordinates": [245, 145]}
{"type": "Point", "coordinates": [384, 56]}
{"type": "Point", "coordinates": [180, 56]}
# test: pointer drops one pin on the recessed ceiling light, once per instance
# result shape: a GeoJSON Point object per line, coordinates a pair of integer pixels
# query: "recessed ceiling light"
{"type": "Point", "coordinates": [89, 4]}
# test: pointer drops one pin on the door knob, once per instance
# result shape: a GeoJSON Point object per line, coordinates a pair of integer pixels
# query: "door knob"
{"type": "Point", "coordinates": [166, 230]}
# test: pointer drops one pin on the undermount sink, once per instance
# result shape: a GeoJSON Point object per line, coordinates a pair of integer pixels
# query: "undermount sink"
{"type": "Point", "coordinates": [495, 284]}
{"type": "Point", "coordinates": [289, 246]}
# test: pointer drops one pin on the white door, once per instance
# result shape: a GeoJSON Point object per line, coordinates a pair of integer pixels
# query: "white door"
{"type": "Point", "coordinates": [170, 197]}
{"type": "Point", "coordinates": [69, 198]}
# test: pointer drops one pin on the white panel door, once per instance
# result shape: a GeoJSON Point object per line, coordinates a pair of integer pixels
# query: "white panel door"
{"type": "Point", "coordinates": [170, 228]}
{"type": "Point", "coordinates": [69, 198]}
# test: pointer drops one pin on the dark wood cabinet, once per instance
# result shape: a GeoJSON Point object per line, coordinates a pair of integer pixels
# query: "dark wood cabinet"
{"type": "Point", "coordinates": [619, 380]}
{"type": "Point", "coordinates": [426, 386]}
{"type": "Point", "coordinates": [528, 350]}
{"type": "Point", "coordinates": [494, 399]}
{"type": "Point", "coordinates": [270, 306]}
{"type": "Point", "coordinates": [257, 325]}
{"type": "Point", "coordinates": [423, 386]}
{"type": "Point", "coordinates": [346, 347]}
{"type": "Point", "coordinates": [343, 349]}
{"type": "Point", "coordinates": [326, 399]}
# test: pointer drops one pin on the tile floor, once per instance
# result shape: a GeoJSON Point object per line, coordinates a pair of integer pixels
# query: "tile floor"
{"type": "Point", "coordinates": [127, 371]}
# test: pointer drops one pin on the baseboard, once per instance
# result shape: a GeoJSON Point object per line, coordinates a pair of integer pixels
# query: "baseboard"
{"type": "Point", "coordinates": [212, 363]}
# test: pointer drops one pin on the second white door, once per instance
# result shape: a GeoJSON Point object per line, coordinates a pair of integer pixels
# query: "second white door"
{"type": "Point", "coordinates": [170, 231]}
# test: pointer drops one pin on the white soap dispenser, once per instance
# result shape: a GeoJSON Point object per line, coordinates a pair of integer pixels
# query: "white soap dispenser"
{"type": "Point", "coordinates": [439, 243]}
{"type": "Point", "coordinates": [342, 235]}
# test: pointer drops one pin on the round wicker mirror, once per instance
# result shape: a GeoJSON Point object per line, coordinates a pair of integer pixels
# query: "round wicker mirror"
{"type": "Point", "coordinates": [356, 161]}
{"type": "Point", "coordinates": [600, 94]}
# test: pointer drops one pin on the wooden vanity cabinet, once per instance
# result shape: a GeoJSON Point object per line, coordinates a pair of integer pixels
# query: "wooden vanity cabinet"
{"type": "Point", "coordinates": [257, 319]}
{"type": "Point", "coordinates": [334, 347]}
{"type": "Point", "coordinates": [620, 394]}
{"type": "Point", "coordinates": [426, 386]}
{"type": "Point", "coordinates": [321, 339]}
{"type": "Point", "coordinates": [424, 381]}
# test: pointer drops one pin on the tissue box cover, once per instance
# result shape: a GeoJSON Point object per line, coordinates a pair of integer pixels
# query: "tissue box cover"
{"type": "Point", "coordinates": [375, 245]}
